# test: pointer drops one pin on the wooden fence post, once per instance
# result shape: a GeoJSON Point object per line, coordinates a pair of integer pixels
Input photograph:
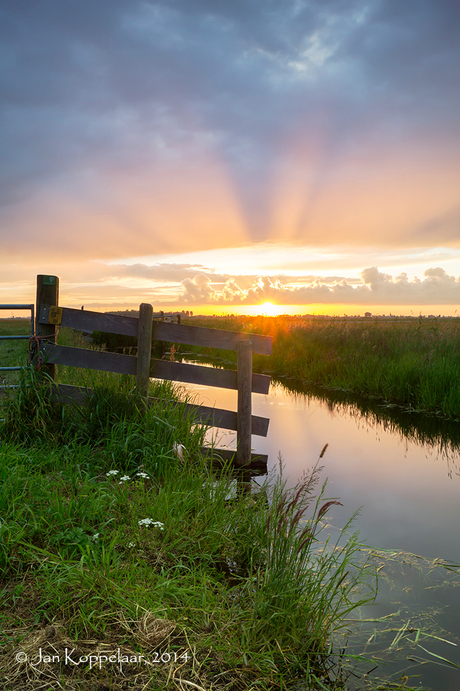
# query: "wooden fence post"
{"type": "Point", "coordinates": [47, 297]}
{"type": "Point", "coordinates": [243, 433]}
{"type": "Point", "coordinates": [144, 348]}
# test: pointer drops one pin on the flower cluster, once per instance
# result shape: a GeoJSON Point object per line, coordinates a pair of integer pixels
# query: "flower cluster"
{"type": "Point", "coordinates": [150, 521]}
{"type": "Point", "coordinates": [124, 478]}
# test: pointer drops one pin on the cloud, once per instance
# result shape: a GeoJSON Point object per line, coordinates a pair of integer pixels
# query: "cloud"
{"type": "Point", "coordinates": [100, 285]}
{"type": "Point", "coordinates": [374, 278]}
{"type": "Point", "coordinates": [150, 127]}
{"type": "Point", "coordinates": [198, 289]}
{"type": "Point", "coordinates": [375, 288]}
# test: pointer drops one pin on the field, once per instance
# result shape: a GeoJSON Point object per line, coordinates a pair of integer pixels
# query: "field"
{"type": "Point", "coordinates": [413, 363]}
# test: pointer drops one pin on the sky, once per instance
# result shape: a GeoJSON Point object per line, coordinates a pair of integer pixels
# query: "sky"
{"type": "Point", "coordinates": [220, 155]}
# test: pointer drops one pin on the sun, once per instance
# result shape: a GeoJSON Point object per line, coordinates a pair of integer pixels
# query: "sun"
{"type": "Point", "coordinates": [268, 309]}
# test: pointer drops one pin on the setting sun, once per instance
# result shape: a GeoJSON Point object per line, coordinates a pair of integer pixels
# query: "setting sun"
{"type": "Point", "coordinates": [268, 309]}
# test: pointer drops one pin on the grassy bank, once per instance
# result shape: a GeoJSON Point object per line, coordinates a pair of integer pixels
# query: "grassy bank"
{"type": "Point", "coordinates": [124, 566]}
{"type": "Point", "coordinates": [413, 363]}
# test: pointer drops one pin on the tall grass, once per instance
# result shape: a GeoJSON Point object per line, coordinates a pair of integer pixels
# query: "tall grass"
{"type": "Point", "coordinates": [319, 576]}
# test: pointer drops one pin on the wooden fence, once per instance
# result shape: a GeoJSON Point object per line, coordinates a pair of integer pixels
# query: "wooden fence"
{"type": "Point", "coordinates": [142, 366]}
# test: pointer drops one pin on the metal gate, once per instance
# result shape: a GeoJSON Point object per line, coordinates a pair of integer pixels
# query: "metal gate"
{"type": "Point", "coordinates": [17, 337]}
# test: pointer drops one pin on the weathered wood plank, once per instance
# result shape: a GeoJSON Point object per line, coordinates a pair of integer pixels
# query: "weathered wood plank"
{"type": "Point", "coordinates": [84, 320]}
{"type": "Point", "coordinates": [257, 466]}
{"type": "Point", "coordinates": [160, 369]}
{"type": "Point", "coordinates": [144, 348]}
{"type": "Point", "coordinates": [214, 417]}
{"type": "Point", "coordinates": [227, 419]}
{"type": "Point", "coordinates": [90, 359]}
{"type": "Point", "coordinates": [244, 418]}
{"type": "Point", "coordinates": [47, 296]}
{"type": "Point", "coordinates": [211, 338]}
{"type": "Point", "coordinates": [205, 376]}
{"type": "Point", "coordinates": [67, 393]}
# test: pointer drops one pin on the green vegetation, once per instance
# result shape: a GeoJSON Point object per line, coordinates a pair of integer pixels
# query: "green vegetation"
{"type": "Point", "coordinates": [413, 363]}
{"type": "Point", "coordinates": [112, 544]}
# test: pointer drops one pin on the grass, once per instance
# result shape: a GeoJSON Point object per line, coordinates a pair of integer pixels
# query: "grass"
{"type": "Point", "coordinates": [112, 545]}
{"type": "Point", "coordinates": [412, 363]}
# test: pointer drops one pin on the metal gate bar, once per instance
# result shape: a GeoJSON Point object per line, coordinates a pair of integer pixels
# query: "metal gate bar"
{"type": "Point", "coordinates": [18, 337]}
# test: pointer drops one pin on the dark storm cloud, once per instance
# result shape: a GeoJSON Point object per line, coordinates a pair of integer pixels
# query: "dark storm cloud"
{"type": "Point", "coordinates": [89, 88]}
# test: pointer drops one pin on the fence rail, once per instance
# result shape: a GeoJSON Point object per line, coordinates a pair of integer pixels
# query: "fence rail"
{"type": "Point", "coordinates": [158, 369]}
{"type": "Point", "coordinates": [18, 337]}
{"type": "Point", "coordinates": [84, 320]}
{"type": "Point", "coordinates": [146, 328]}
{"type": "Point", "coordinates": [214, 417]}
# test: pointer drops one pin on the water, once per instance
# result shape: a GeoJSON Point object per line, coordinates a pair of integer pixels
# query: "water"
{"type": "Point", "coordinates": [402, 472]}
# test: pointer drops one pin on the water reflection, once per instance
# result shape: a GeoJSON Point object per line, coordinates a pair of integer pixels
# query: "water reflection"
{"type": "Point", "coordinates": [435, 432]}
{"type": "Point", "coordinates": [403, 470]}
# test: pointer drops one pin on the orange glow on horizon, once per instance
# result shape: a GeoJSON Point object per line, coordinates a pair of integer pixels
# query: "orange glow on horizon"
{"type": "Point", "coordinates": [269, 309]}
{"type": "Point", "coordinates": [333, 310]}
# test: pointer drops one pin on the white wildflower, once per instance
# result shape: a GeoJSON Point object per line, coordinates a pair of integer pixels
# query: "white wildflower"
{"type": "Point", "coordinates": [96, 536]}
{"type": "Point", "coordinates": [145, 475]}
{"type": "Point", "coordinates": [112, 472]}
{"type": "Point", "coordinates": [131, 544]}
{"type": "Point", "coordinates": [124, 478]}
{"type": "Point", "coordinates": [150, 521]}
{"type": "Point", "coordinates": [146, 521]}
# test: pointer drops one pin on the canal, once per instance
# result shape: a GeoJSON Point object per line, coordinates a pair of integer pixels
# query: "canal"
{"type": "Point", "coordinates": [401, 471]}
